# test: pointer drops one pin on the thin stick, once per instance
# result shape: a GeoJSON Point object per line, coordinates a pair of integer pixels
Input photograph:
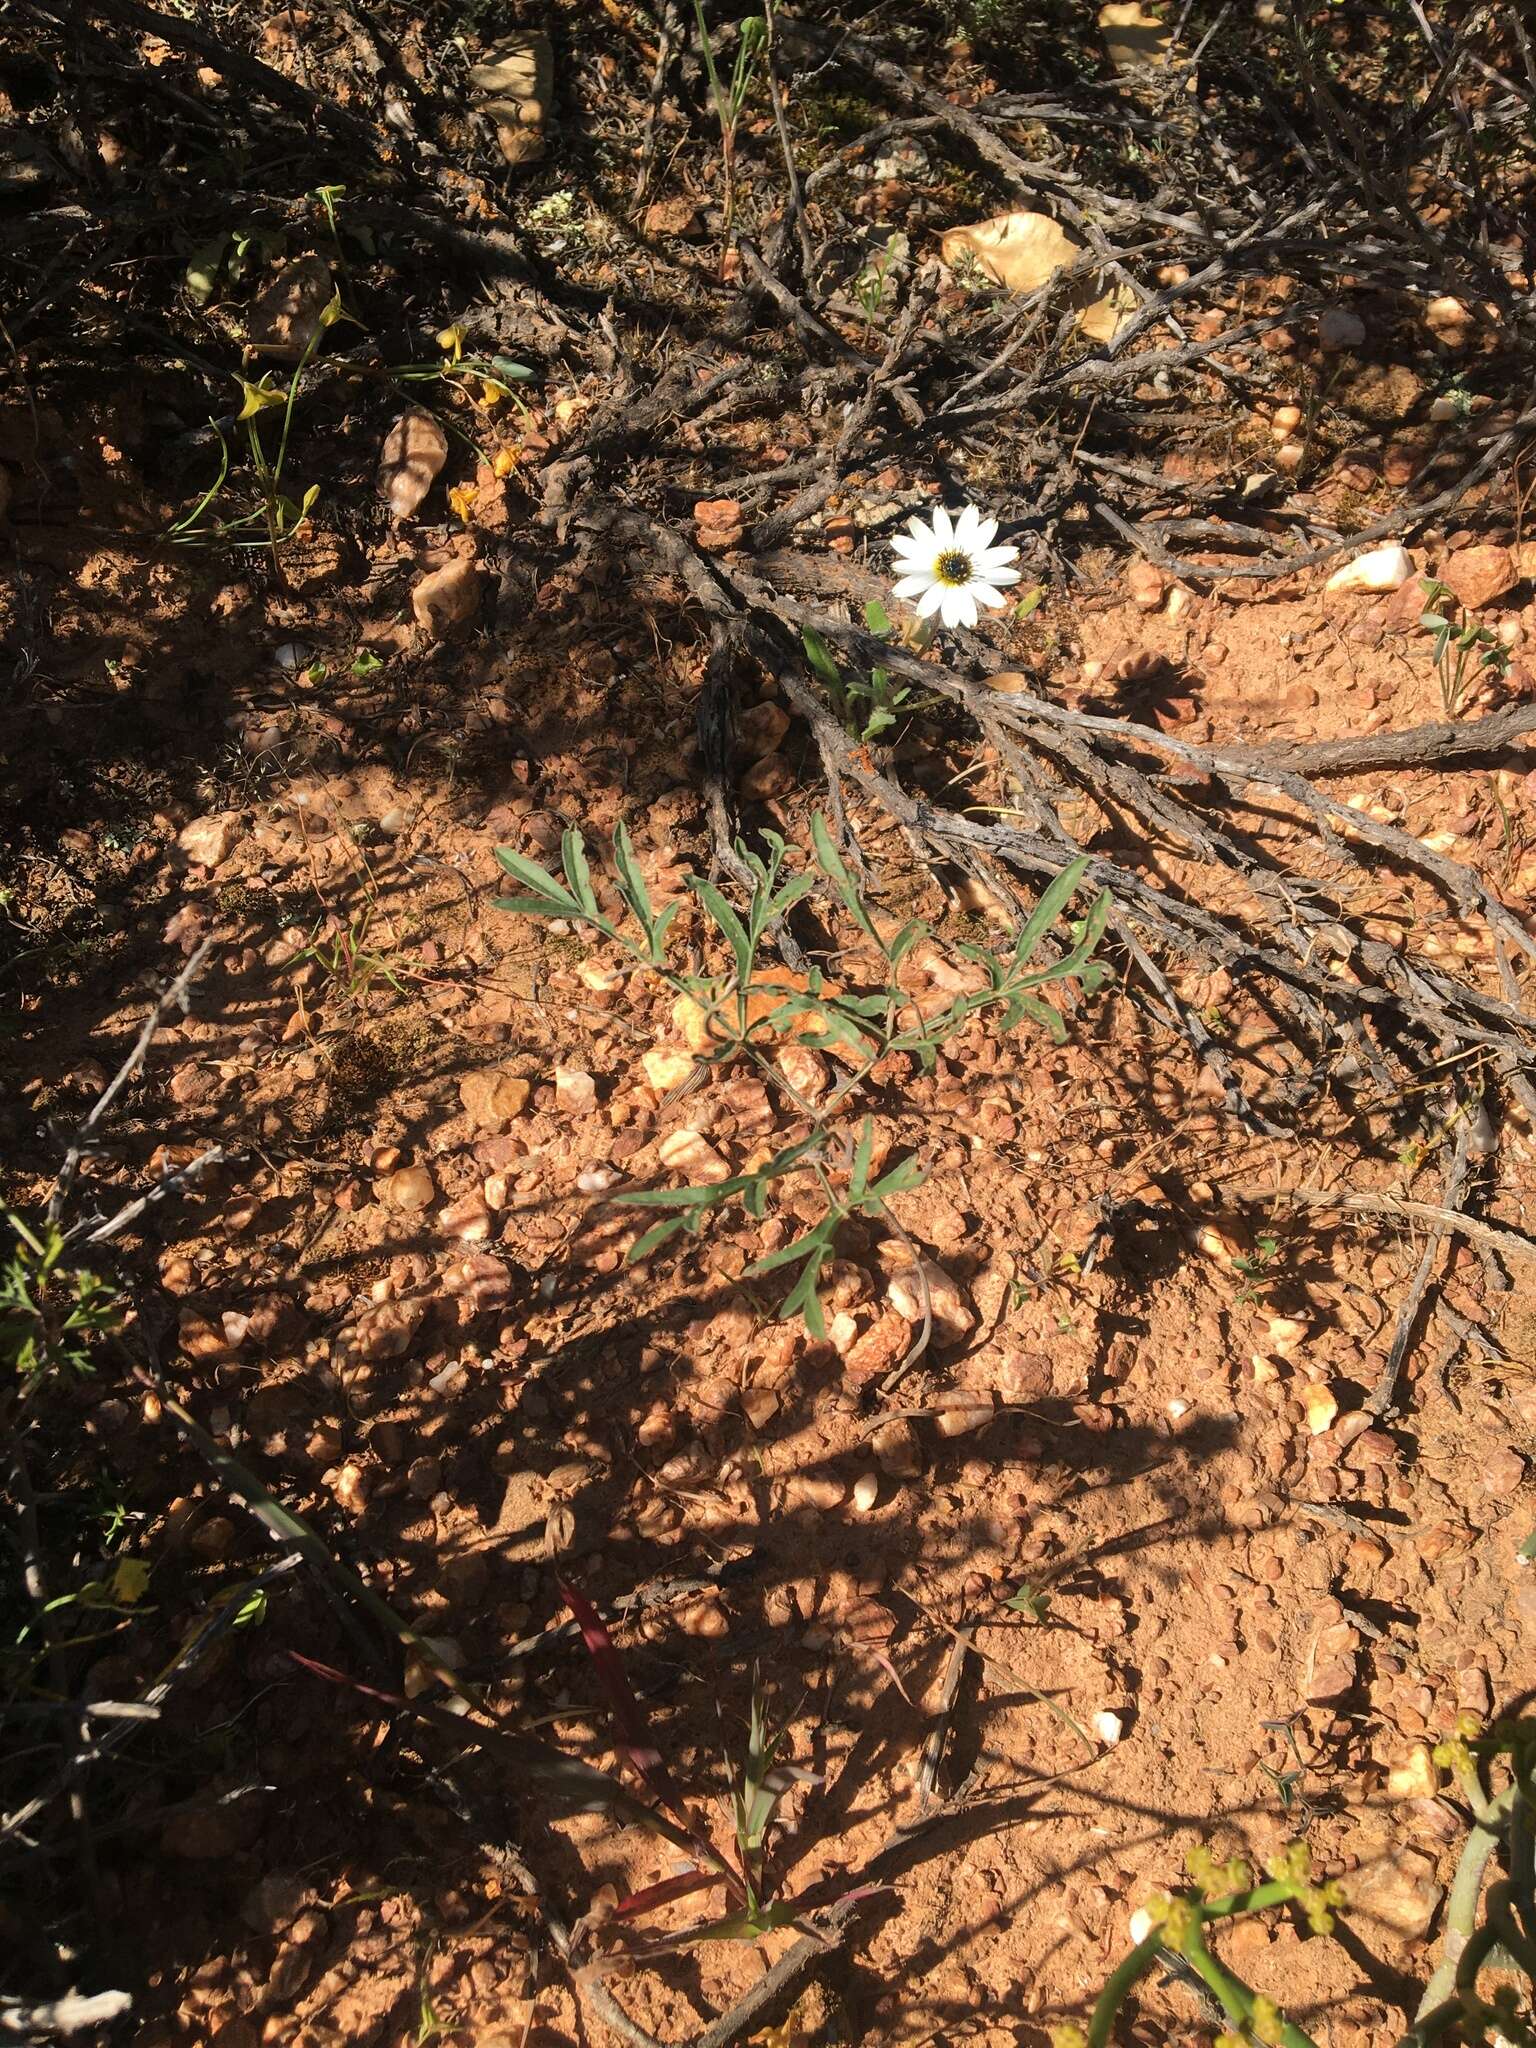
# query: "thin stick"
{"type": "Point", "coordinates": [1379, 1402]}
{"type": "Point", "coordinates": [175, 997]}
{"type": "Point", "coordinates": [1438, 1216]}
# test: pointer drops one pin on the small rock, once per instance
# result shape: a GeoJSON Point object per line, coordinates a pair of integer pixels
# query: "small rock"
{"type": "Point", "coordinates": [1107, 1726]}
{"type": "Point", "coordinates": [1479, 576]}
{"type": "Point", "coordinates": [349, 1484]}
{"type": "Point", "coordinates": [759, 1405]}
{"type": "Point", "coordinates": [575, 1091]}
{"type": "Point", "coordinates": [843, 1333]}
{"type": "Point", "coordinates": [1320, 1405]}
{"type": "Point", "coordinates": [409, 1188]}
{"type": "Point", "coordinates": [1416, 1777]}
{"type": "Point", "coordinates": [424, 1477]}
{"type": "Point", "coordinates": [761, 727]}
{"type": "Point", "coordinates": [676, 216]}
{"type": "Point", "coordinates": [819, 1490]}
{"type": "Point", "coordinates": [1377, 569]}
{"type": "Point", "coordinates": [1338, 328]}
{"type": "Point", "coordinates": [494, 1098]}
{"type": "Point", "coordinates": [1331, 1664]}
{"type": "Point", "coordinates": [958, 1413]}
{"type": "Point", "coordinates": [468, 1218]}
{"type": "Point", "coordinates": [209, 841]}
{"type": "Point", "coordinates": [213, 1540]}
{"type": "Point", "coordinates": [907, 1280]}
{"type": "Point", "coordinates": [1449, 321]}
{"type": "Point", "coordinates": [897, 1450]}
{"type": "Point", "coordinates": [691, 1155]}
{"type": "Point", "coordinates": [1398, 1891]}
{"type": "Point", "coordinates": [1011, 682]}
{"type": "Point", "coordinates": [447, 598]}
{"type": "Point", "coordinates": [1146, 585]}
{"type": "Point", "coordinates": [769, 777]}
{"type": "Point", "coordinates": [804, 1070]}
{"type": "Point", "coordinates": [1504, 1472]}
{"type": "Point", "coordinates": [866, 1491]}
{"type": "Point", "coordinates": [666, 1067]}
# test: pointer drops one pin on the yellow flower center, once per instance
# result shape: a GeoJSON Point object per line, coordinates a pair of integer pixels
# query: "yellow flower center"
{"type": "Point", "coordinates": [953, 567]}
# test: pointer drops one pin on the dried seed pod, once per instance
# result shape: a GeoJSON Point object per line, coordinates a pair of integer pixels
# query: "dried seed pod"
{"type": "Point", "coordinates": [414, 451]}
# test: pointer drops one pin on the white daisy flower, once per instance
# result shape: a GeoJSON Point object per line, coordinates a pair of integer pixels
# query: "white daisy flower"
{"type": "Point", "coordinates": [950, 566]}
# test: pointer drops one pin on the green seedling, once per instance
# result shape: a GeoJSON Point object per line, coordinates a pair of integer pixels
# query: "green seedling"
{"type": "Point", "coordinates": [349, 966]}
{"type": "Point", "coordinates": [730, 94]}
{"type": "Point", "coordinates": [1032, 1603]}
{"type": "Point", "coordinates": [277, 515]}
{"type": "Point", "coordinates": [52, 1315]}
{"type": "Point", "coordinates": [750, 1005]}
{"type": "Point", "coordinates": [1256, 1268]}
{"type": "Point", "coordinates": [869, 286]}
{"type": "Point", "coordinates": [1463, 649]}
{"type": "Point", "coordinates": [867, 707]}
{"type": "Point", "coordinates": [1482, 1993]}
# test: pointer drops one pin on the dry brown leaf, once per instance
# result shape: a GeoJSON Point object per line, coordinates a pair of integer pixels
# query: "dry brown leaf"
{"type": "Point", "coordinates": [414, 451]}
{"type": "Point", "coordinates": [1024, 251]}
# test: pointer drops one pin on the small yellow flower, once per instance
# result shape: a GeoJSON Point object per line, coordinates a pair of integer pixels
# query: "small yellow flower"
{"type": "Point", "coordinates": [1265, 2023]}
{"type": "Point", "coordinates": [461, 500]}
{"type": "Point", "coordinates": [491, 395]}
{"type": "Point", "coordinates": [451, 341]}
{"type": "Point", "coordinates": [259, 397]}
{"type": "Point", "coordinates": [504, 461]}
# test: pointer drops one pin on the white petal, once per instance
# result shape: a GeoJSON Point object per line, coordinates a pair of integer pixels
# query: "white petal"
{"type": "Point", "coordinates": [943, 532]}
{"type": "Point", "coordinates": [986, 532]}
{"type": "Point", "coordinates": [911, 586]}
{"type": "Point", "coordinates": [999, 578]}
{"type": "Point", "coordinates": [931, 599]}
{"type": "Point", "coordinates": [966, 525]}
{"type": "Point", "coordinates": [916, 535]}
{"type": "Point", "coordinates": [1001, 556]}
{"type": "Point", "coordinates": [916, 555]}
{"type": "Point", "coordinates": [985, 594]}
{"type": "Point", "coordinates": [958, 608]}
